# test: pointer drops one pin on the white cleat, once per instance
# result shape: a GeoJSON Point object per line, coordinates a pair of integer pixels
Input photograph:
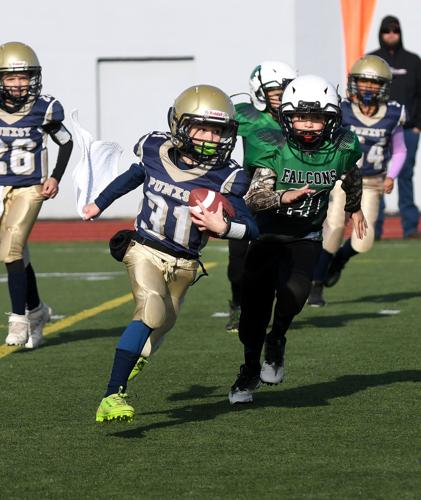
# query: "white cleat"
{"type": "Point", "coordinates": [18, 330]}
{"type": "Point", "coordinates": [271, 373]}
{"type": "Point", "coordinates": [37, 319]}
{"type": "Point", "coordinates": [246, 383]}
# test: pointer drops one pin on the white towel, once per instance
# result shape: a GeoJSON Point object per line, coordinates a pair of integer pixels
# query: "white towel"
{"type": "Point", "coordinates": [1, 200]}
{"type": "Point", "coordinates": [97, 167]}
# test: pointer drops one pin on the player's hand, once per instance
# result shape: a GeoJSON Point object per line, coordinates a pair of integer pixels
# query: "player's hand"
{"type": "Point", "coordinates": [50, 188]}
{"type": "Point", "coordinates": [416, 130]}
{"type": "Point", "coordinates": [296, 194]}
{"type": "Point", "coordinates": [388, 185]}
{"type": "Point", "coordinates": [360, 224]}
{"type": "Point", "coordinates": [209, 221]}
{"type": "Point", "coordinates": [90, 211]}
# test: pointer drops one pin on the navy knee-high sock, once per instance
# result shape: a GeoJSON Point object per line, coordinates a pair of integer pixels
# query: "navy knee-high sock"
{"type": "Point", "coordinates": [320, 273]}
{"type": "Point", "coordinates": [17, 282]}
{"type": "Point", "coordinates": [32, 296]}
{"type": "Point", "coordinates": [127, 353]}
{"type": "Point", "coordinates": [346, 251]}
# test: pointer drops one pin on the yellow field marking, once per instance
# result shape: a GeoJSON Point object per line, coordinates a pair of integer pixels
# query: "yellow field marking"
{"type": "Point", "coordinates": [80, 316]}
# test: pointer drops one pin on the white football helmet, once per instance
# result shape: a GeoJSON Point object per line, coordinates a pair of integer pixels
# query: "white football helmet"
{"type": "Point", "coordinates": [310, 94]}
{"type": "Point", "coordinates": [268, 75]}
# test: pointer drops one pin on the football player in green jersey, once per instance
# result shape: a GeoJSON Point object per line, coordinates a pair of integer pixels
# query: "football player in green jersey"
{"type": "Point", "coordinates": [267, 83]}
{"type": "Point", "coordinates": [290, 193]}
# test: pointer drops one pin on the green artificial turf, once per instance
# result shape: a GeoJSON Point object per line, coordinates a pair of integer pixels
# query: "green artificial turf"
{"type": "Point", "coordinates": [345, 424]}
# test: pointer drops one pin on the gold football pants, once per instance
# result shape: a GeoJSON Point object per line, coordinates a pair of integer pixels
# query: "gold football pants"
{"type": "Point", "coordinates": [159, 283]}
{"type": "Point", "coordinates": [21, 208]}
{"type": "Point", "coordinates": [334, 225]}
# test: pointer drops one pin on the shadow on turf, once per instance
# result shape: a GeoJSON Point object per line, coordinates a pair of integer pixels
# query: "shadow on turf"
{"type": "Point", "coordinates": [333, 321]}
{"type": "Point", "coordinates": [378, 299]}
{"type": "Point", "coordinates": [298, 397]}
{"type": "Point", "coordinates": [74, 336]}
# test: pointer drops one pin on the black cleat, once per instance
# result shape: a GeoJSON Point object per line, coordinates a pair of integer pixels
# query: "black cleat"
{"type": "Point", "coordinates": [335, 270]}
{"type": "Point", "coordinates": [315, 299]}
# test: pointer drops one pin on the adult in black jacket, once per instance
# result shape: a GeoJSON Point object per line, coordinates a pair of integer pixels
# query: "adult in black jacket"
{"type": "Point", "coordinates": [406, 89]}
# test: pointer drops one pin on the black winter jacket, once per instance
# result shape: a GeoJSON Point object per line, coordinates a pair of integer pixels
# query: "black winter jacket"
{"type": "Point", "coordinates": [406, 69]}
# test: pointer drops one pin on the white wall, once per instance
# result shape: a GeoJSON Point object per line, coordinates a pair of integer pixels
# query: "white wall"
{"type": "Point", "coordinates": [226, 38]}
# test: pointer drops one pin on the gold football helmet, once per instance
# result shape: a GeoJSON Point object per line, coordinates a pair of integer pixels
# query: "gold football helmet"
{"type": "Point", "coordinates": [366, 70]}
{"type": "Point", "coordinates": [199, 105]}
{"type": "Point", "coordinates": [16, 57]}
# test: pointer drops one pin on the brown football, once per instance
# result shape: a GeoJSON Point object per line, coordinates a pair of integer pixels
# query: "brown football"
{"type": "Point", "coordinates": [210, 200]}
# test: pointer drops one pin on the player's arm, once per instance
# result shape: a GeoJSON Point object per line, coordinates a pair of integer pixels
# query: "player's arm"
{"type": "Point", "coordinates": [242, 226]}
{"type": "Point", "coordinates": [397, 160]}
{"type": "Point", "coordinates": [121, 185]}
{"type": "Point", "coordinates": [63, 138]}
{"type": "Point", "coordinates": [352, 184]}
{"type": "Point", "coordinates": [262, 195]}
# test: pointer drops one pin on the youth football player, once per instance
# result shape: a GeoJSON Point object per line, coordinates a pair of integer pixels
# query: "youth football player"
{"type": "Point", "coordinates": [378, 124]}
{"type": "Point", "coordinates": [267, 83]}
{"type": "Point", "coordinates": [162, 260]}
{"type": "Point", "coordinates": [290, 193]}
{"type": "Point", "coordinates": [27, 118]}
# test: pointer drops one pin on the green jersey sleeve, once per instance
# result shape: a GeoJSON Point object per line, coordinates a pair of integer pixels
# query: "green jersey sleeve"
{"type": "Point", "coordinates": [349, 149]}
{"type": "Point", "coordinates": [248, 118]}
{"type": "Point", "coordinates": [261, 147]}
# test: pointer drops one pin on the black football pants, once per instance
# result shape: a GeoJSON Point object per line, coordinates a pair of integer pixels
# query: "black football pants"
{"type": "Point", "coordinates": [236, 260]}
{"type": "Point", "coordinates": [274, 269]}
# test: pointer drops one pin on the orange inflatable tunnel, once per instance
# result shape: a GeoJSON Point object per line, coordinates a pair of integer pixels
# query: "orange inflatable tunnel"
{"type": "Point", "coordinates": [356, 18]}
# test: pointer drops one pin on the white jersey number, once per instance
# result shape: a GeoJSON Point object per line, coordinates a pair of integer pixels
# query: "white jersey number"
{"type": "Point", "coordinates": [159, 215]}
{"type": "Point", "coordinates": [22, 159]}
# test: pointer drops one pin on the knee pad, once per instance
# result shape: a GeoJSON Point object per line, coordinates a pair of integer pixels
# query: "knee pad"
{"type": "Point", "coordinates": [151, 310]}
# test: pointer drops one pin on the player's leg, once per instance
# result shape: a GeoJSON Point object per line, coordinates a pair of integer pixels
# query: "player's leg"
{"type": "Point", "coordinates": [408, 210]}
{"type": "Point", "coordinates": [295, 272]}
{"type": "Point", "coordinates": [370, 205]}
{"type": "Point", "coordinates": [237, 250]}
{"type": "Point", "coordinates": [38, 313]}
{"type": "Point", "coordinates": [21, 208]}
{"type": "Point", "coordinates": [256, 310]}
{"type": "Point", "coordinates": [149, 271]}
{"type": "Point", "coordinates": [378, 231]}
{"type": "Point", "coordinates": [333, 231]}
{"type": "Point", "coordinates": [178, 285]}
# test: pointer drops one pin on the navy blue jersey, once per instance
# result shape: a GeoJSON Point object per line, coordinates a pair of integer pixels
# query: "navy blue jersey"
{"type": "Point", "coordinates": [374, 133]}
{"type": "Point", "coordinates": [164, 212]}
{"type": "Point", "coordinates": [23, 142]}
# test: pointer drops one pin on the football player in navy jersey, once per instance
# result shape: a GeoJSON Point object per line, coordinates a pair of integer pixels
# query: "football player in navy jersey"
{"type": "Point", "coordinates": [162, 259]}
{"type": "Point", "coordinates": [27, 118]}
{"type": "Point", "coordinates": [378, 124]}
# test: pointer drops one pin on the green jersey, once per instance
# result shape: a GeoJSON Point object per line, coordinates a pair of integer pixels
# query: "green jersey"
{"type": "Point", "coordinates": [251, 121]}
{"type": "Point", "coordinates": [294, 169]}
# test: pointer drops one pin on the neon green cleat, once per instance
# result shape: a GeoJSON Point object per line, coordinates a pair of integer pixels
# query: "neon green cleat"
{"type": "Point", "coordinates": [140, 364]}
{"type": "Point", "coordinates": [115, 407]}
